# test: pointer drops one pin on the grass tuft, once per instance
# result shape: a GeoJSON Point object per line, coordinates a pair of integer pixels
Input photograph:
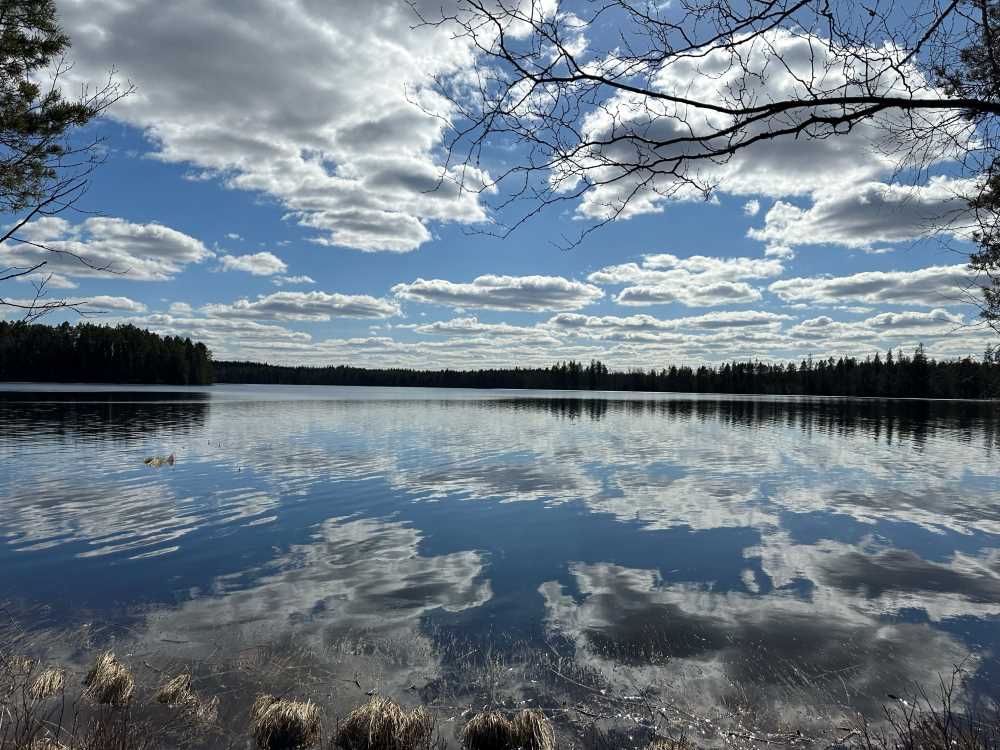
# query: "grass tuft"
{"type": "Point", "coordinates": [382, 724]}
{"type": "Point", "coordinates": [109, 681]}
{"type": "Point", "coordinates": [492, 730]}
{"type": "Point", "coordinates": [663, 744]}
{"type": "Point", "coordinates": [20, 665]}
{"type": "Point", "coordinates": [49, 682]}
{"type": "Point", "coordinates": [279, 724]}
{"type": "Point", "coordinates": [533, 730]}
{"type": "Point", "coordinates": [46, 743]}
{"type": "Point", "coordinates": [176, 692]}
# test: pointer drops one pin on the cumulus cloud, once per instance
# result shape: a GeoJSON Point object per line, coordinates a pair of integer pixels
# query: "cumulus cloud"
{"type": "Point", "coordinates": [227, 337]}
{"type": "Point", "coordinates": [718, 293]}
{"type": "Point", "coordinates": [304, 306]}
{"type": "Point", "coordinates": [880, 330]}
{"type": "Point", "coordinates": [325, 126]}
{"type": "Point", "coordinates": [751, 207]}
{"type": "Point", "coordinates": [610, 325]}
{"type": "Point", "coordinates": [258, 264]}
{"type": "Point", "coordinates": [695, 281]}
{"type": "Point", "coordinates": [774, 168]}
{"type": "Point", "coordinates": [93, 304]}
{"type": "Point", "coordinates": [916, 321]}
{"type": "Point", "coordinates": [537, 293]}
{"type": "Point", "coordinates": [868, 215]}
{"type": "Point", "coordinates": [111, 247]}
{"type": "Point", "coordinates": [935, 285]}
{"type": "Point", "coordinates": [118, 304]}
{"type": "Point", "coordinates": [292, 280]}
{"type": "Point", "coordinates": [473, 326]}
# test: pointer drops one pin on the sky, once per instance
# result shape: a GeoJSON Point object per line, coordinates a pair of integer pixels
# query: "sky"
{"type": "Point", "coordinates": [270, 190]}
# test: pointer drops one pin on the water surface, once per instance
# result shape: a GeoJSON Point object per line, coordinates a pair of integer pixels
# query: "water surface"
{"type": "Point", "coordinates": [792, 549]}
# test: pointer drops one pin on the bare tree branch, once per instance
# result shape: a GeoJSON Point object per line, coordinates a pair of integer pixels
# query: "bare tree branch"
{"type": "Point", "coordinates": [610, 104]}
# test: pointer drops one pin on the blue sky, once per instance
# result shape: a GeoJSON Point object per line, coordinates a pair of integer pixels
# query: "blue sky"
{"type": "Point", "coordinates": [267, 192]}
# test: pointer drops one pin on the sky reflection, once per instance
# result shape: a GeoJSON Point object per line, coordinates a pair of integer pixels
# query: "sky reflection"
{"type": "Point", "coordinates": [805, 550]}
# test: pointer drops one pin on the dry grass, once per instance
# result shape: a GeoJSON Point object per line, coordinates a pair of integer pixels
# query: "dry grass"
{"type": "Point", "coordinates": [279, 724]}
{"type": "Point", "coordinates": [382, 724]}
{"type": "Point", "coordinates": [492, 730]}
{"type": "Point", "coordinates": [204, 712]}
{"type": "Point", "coordinates": [49, 682]}
{"type": "Point", "coordinates": [533, 730]}
{"type": "Point", "coordinates": [176, 692]}
{"type": "Point", "coordinates": [662, 744]}
{"type": "Point", "coordinates": [109, 681]}
{"type": "Point", "coordinates": [18, 664]}
{"type": "Point", "coordinates": [46, 743]}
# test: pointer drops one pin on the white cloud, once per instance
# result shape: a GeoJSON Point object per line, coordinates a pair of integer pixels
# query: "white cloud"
{"type": "Point", "coordinates": [781, 252]}
{"type": "Point", "coordinates": [112, 248]}
{"type": "Point", "coordinates": [472, 326]}
{"type": "Point", "coordinates": [936, 319]}
{"type": "Point", "coordinates": [537, 293]}
{"type": "Point", "coordinates": [774, 168]}
{"type": "Point", "coordinates": [258, 264]}
{"type": "Point", "coordinates": [647, 326]}
{"type": "Point", "coordinates": [48, 280]}
{"type": "Point", "coordinates": [304, 306]}
{"type": "Point", "coordinates": [867, 215]}
{"type": "Point", "coordinates": [936, 285]}
{"type": "Point", "coordinates": [709, 295]}
{"type": "Point", "coordinates": [223, 335]}
{"type": "Point", "coordinates": [751, 207]}
{"type": "Point", "coordinates": [292, 280]}
{"type": "Point", "coordinates": [93, 304]}
{"type": "Point", "coordinates": [695, 281]}
{"type": "Point", "coordinates": [322, 125]}
{"type": "Point", "coordinates": [117, 304]}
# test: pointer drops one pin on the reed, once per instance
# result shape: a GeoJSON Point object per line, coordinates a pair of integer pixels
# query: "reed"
{"type": "Point", "coordinates": [665, 744]}
{"type": "Point", "coordinates": [109, 682]}
{"type": "Point", "coordinates": [279, 724]}
{"type": "Point", "coordinates": [533, 730]}
{"type": "Point", "coordinates": [529, 729]}
{"type": "Point", "coordinates": [50, 681]}
{"type": "Point", "coordinates": [46, 743]}
{"type": "Point", "coordinates": [176, 692]}
{"type": "Point", "coordinates": [382, 724]}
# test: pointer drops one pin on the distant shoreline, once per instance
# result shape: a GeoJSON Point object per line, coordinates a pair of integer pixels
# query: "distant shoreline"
{"type": "Point", "coordinates": [54, 387]}
{"type": "Point", "coordinates": [126, 354]}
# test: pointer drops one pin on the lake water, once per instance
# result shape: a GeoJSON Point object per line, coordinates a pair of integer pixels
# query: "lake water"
{"type": "Point", "coordinates": [783, 551]}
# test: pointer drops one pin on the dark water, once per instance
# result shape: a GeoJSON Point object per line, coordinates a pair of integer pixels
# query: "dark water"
{"type": "Point", "coordinates": [757, 545]}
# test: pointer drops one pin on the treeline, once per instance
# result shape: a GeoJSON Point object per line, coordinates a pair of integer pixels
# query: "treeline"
{"type": "Point", "coordinates": [894, 375]}
{"type": "Point", "coordinates": [87, 353]}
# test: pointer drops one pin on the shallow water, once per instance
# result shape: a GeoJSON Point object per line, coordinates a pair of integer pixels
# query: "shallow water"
{"type": "Point", "coordinates": [795, 550]}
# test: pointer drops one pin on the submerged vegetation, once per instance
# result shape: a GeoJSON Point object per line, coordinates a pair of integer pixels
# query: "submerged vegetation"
{"type": "Point", "coordinates": [286, 699]}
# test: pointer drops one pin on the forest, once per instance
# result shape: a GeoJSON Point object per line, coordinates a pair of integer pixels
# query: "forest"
{"type": "Point", "coordinates": [894, 375]}
{"type": "Point", "coordinates": [88, 353]}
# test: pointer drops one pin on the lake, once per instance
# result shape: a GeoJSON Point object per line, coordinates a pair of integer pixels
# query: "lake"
{"type": "Point", "coordinates": [792, 555]}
